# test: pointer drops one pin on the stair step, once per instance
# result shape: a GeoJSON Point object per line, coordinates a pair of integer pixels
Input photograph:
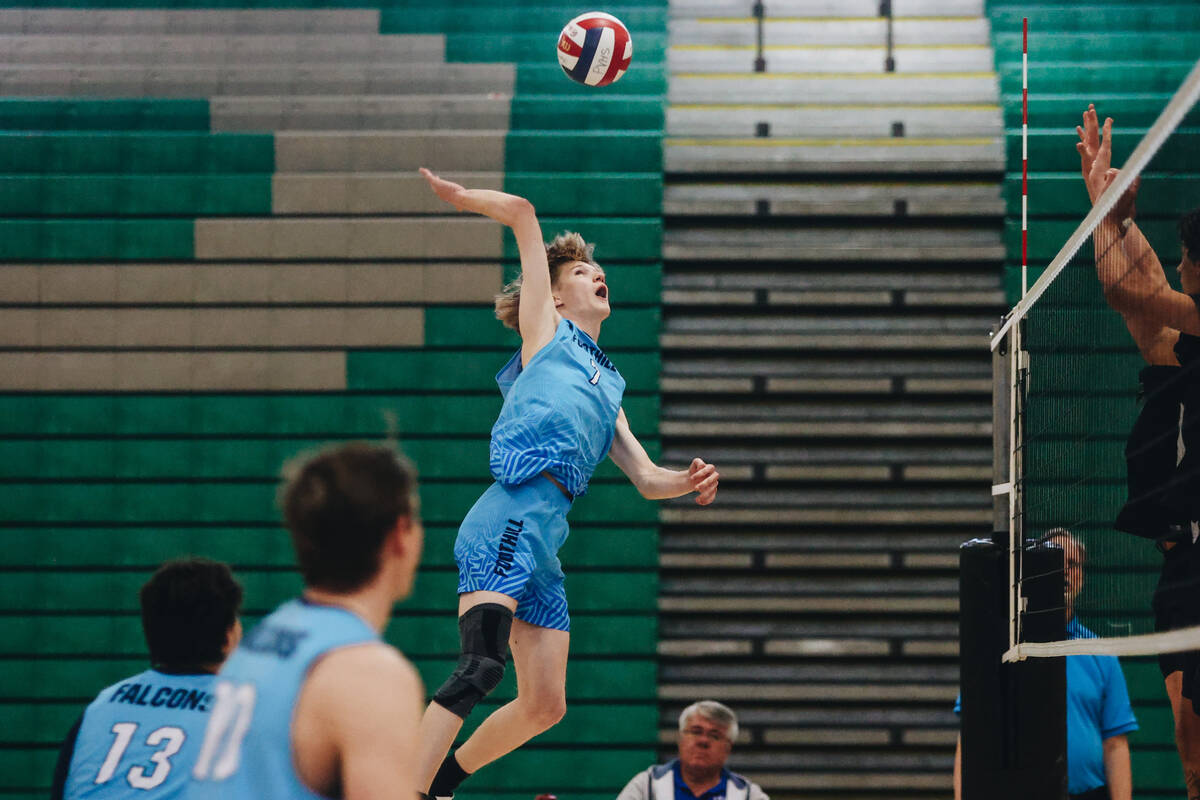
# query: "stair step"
{"type": "Point", "coordinates": [833, 199]}
{"type": "Point", "coordinates": [219, 48]}
{"type": "Point", "coordinates": [684, 9]}
{"type": "Point", "coordinates": [818, 59]}
{"type": "Point", "coordinates": [816, 30]}
{"type": "Point", "coordinates": [883, 243]}
{"type": "Point", "coordinates": [977, 519]}
{"type": "Point", "coordinates": [876, 120]}
{"type": "Point", "coordinates": [816, 88]}
{"type": "Point", "coordinates": [880, 156]}
{"type": "Point", "coordinates": [204, 22]}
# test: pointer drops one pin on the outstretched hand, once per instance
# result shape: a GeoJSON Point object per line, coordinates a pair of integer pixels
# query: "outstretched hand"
{"type": "Point", "coordinates": [1095, 151]}
{"type": "Point", "coordinates": [451, 192]}
{"type": "Point", "coordinates": [507, 209]}
{"type": "Point", "coordinates": [704, 478]}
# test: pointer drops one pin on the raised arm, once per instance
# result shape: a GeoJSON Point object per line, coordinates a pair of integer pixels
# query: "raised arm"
{"type": "Point", "coordinates": [1128, 269]}
{"type": "Point", "coordinates": [537, 316]}
{"type": "Point", "coordinates": [658, 483]}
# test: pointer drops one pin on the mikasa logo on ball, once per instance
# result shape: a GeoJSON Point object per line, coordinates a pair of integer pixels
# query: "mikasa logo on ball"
{"type": "Point", "coordinates": [595, 49]}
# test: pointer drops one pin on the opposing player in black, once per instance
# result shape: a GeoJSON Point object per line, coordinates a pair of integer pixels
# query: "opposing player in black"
{"type": "Point", "coordinates": [1162, 451]}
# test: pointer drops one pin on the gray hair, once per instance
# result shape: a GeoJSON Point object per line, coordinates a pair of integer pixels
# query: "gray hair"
{"type": "Point", "coordinates": [1063, 535]}
{"type": "Point", "coordinates": [714, 712]}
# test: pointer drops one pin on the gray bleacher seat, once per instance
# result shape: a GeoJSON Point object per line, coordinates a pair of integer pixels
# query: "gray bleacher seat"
{"type": "Point", "coordinates": [381, 112]}
{"type": "Point", "coordinates": [809, 89]}
{"type": "Point", "coordinates": [356, 238]}
{"type": "Point", "coordinates": [148, 49]}
{"type": "Point", "coordinates": [194, 370]}
{"type": "Point", "coordinates": [467, 151]}
{"type": "Point", "coordinates": [867, 31]}
{"type": "Point", "coordinates": [810, 157]}
{"type": "Point", "coordinates": [207, 81]}
{"type": "Point", "coordinates": [367, 192]}
{"type": "Point", "coordinates": [833, 119]}
{"type": "Point", "coordinates": [684, 9]}
{"type": "Point", "coordinates": [189, 21]}
{"type": "Point", "coordinates": [878, 243]}
{"type": "Point", "coordinates": [844, 198]}
{"type": "Point", "coordinates": [138, 283]}
{"type": "Point", "coordinates": [818, 59]}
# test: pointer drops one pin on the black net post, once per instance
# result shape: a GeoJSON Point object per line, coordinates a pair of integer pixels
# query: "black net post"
{"type": "Point", "coordinates": [1014, 731]}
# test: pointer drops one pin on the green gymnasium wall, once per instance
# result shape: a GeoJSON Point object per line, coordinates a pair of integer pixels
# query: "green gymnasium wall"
{"type": "Point", "coordinates": [1127, 58]}
{"type": "Point", "coordinates": [103, 485]}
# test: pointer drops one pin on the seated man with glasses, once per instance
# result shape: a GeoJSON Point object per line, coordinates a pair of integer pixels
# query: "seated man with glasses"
{"type": "Point", "coordinates": [707, 730]}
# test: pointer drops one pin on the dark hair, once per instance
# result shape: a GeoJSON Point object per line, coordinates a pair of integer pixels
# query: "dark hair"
{"type": "Point", "coordinates": [188, 607]}
{"type": "Point", "coordinates": [1189, 235]}
{"type": "Point", "coordinates": [339, 506]}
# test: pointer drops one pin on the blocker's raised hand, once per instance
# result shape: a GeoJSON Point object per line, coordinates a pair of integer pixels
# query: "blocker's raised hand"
{"type": "Point", "coordinates": [704, 478]}
{"type": "Point", "coordinates": [1095, 151]}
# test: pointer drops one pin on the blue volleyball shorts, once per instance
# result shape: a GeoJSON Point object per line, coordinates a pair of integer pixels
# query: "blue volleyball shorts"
{"type": "Point", "coordinates": [508, 543]}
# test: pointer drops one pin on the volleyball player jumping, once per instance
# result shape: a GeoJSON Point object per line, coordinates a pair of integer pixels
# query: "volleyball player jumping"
{"type": "Point", "coordinates": [561, 415]}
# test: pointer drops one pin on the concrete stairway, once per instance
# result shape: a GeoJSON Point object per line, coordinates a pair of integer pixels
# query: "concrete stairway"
{"type": "Point", "coordinates": [832, 244]}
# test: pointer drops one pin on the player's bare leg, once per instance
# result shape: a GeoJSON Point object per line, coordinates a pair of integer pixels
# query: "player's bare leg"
{"type": "Point", "coordinates": [540, 659]}
{"type": "Point", "coordinates": [439, 725]}
{"type": "Point", "coordinates": [1187, 734]}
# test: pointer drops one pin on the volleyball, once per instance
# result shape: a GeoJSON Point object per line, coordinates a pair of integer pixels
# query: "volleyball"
{"type": "Point", "coordinates": [595, 49]}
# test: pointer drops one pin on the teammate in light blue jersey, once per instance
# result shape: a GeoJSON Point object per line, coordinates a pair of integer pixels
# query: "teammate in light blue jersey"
{"type": "Point", "coordinates": [313, 704]}
{"type": "Point", "coordinates": [140, 736]}
{"type": "Point", "coordinates": [561, 416]}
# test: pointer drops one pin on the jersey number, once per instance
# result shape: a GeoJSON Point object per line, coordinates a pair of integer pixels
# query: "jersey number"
{"type": "Point", "coordinates": [222, 749]}
{"type": "Point", "coordinates": [137, 777]}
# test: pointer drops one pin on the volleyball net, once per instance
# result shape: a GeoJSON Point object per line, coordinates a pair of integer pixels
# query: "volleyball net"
{"type": "Point", "coordinates": [1093, 431]}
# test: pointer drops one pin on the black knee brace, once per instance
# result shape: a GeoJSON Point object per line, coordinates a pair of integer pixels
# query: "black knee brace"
{"type": "Point", "coordinates": [484, 633]}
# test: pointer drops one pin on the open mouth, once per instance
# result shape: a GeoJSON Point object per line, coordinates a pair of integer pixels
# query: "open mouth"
{"type": "Point", "coordinates": [602, 292]}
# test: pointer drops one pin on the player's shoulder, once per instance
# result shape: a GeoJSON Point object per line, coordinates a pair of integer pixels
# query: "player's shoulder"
{"type": "Point", "coordinates": [369, 684]}
{"type": "Point", "coordinates": [361, 664]}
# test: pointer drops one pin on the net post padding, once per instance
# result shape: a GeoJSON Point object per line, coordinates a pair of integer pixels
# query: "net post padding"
{"type": "Point", "coordinates": [1182, 101]}
{"type": "Point", "coordinates": [1014, 735]}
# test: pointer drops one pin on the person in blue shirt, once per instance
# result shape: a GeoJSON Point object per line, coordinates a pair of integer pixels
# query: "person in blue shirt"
{"type": "Point", "coordinates": [707, 731]}
{"type": "Point", "coordinates": [560, 417]}
{"type": "Point", "coordinates": [1099, 715]}
{"type": "Point", "coordinates": [313, 703]}
{"type": "Point", "coordinates": [140, 736]}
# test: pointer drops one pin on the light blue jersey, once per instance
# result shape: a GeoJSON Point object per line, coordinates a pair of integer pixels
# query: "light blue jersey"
{"type": "Point", "coordinates": [1097, 709]}
{"type": "Point", "coordinates": [140, 737]}
{"type": "Point", "coordinates": [247, 753]}
{"type": "Point", "coordinates": [559, 414]}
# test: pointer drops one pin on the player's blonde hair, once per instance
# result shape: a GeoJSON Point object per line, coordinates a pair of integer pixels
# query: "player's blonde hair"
{"type": "Point", "coordinates": [565, 248]}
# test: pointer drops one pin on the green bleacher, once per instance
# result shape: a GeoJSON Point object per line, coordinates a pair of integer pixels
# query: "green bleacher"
{"type": "Point", "coordinates": [104, 485]}
{"type": "Point", "coordinates": [1128, 58]}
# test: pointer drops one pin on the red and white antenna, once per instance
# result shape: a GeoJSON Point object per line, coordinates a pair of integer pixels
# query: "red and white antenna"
{"type": "Point", "coordinates": [1024, 156]}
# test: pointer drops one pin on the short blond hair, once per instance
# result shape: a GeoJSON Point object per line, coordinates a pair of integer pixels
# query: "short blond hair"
{"type": "Point", "coordinates": [565, 248]}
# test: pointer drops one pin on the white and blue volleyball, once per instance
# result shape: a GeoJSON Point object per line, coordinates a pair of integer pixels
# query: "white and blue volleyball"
{"type": "Point", "coordinates": [595, 49]}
